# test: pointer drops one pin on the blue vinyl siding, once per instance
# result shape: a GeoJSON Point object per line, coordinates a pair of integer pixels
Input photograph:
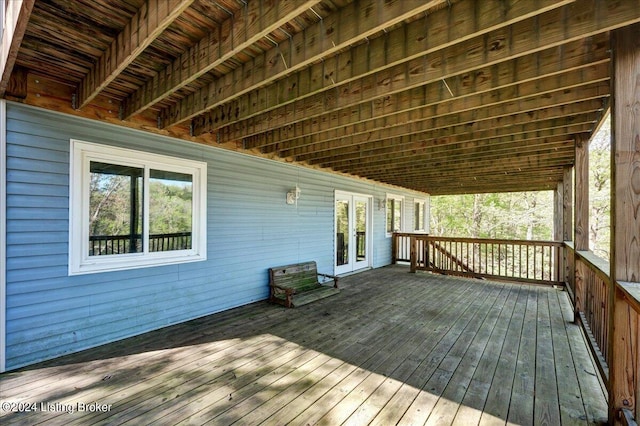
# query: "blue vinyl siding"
{"type": "Point", "coordinates": [250, 228]}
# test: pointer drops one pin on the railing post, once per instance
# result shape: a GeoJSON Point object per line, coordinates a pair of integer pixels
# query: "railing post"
{"type": "Point", "coordinates": [394, 248]}
{"type": "Point", "coordinates": [413, 255]}
{"type": "Point", "coordinates": [578, 288]}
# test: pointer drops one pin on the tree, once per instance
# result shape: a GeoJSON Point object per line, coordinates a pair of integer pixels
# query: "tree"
{"type": "Point", "coordinates": [520, 215]}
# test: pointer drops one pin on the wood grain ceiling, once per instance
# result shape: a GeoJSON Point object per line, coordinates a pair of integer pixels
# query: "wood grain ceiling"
{"type": "Point", "coordinates": [439, 96]}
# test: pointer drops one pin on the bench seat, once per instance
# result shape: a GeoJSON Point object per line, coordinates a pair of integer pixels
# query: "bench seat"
{"type": "Point", "coordinates": [297, 284]}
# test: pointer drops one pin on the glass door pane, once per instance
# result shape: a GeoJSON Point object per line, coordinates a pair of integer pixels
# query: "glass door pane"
{"type": "Point", "coordinates": [342, 232]}
{"type": "Point", "coordinates": [361, 230]}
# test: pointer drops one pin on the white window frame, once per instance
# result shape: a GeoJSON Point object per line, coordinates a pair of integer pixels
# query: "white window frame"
{"type": "Point", "coordinates": [400, 199]}
{"type": "Point", "coordinates": [82, 153]}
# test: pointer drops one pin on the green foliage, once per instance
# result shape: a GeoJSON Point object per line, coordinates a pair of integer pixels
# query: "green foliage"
{"type": "Point", "coordinates": [529, 215]}
{"type": "Point", "coordinates": [111, 204]}
{"type": "Point", "coordinates": [170, 208]}
{"type": "Point", "coordinates": [600, 191]}
{"type": "Point", "coordinates": [523, 215]}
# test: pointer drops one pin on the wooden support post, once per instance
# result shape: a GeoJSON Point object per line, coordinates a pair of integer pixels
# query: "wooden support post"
{"type": "Point", "coordinates": [567, 204]}
{"type": "Point", "coordinates": [581, 219]}
{"type": "Point", "coordinates": [413, 250]}
{"type": "Point", "coordinates": [625, 223]}
{"type": "Point", "coordinates": [567, 225]}
{"type": "Point", "coordinates": [558, 230]}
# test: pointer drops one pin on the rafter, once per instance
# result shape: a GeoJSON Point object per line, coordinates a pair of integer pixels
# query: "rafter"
{"type": "Point", "coordinates": [16, 16]}
{"type": "Point", "coordinates": [466, 143]}
{"type": "Point", "coordinates": [241, 30]}
{"type": "Point", "coordinates": [340, 31]}
{"type": "Point", "coordinates": [562, 98]}
{"type": "Point", "coordinates": [476, 145]}
{"type": "Point", "coordinates": [144, 27]}
{"type": "Point", "coordinates": [535, 180]}
{"type": "Point", "coordinates": [506, 172]}
{"type": "Point", "coordinates": [566, 101]}
{"type": "Point", "coordinates": [575, 63]}
{"type": "Point", "coordinates": [445, 163]}
{"type": "Point", "coordinates": [553, 28]}
{"type": "Point", "coordinates": [355, 23]}
{"type": "Point", "coordinates": [538, 160]}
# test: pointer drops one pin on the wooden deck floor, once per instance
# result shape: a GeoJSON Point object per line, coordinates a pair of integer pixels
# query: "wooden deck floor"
{"type": "Point", "coordinates": [391, 348]}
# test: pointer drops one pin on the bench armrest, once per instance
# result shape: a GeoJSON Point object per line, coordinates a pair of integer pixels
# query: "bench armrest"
{"type": "Point", "coordinates": [332, 277]}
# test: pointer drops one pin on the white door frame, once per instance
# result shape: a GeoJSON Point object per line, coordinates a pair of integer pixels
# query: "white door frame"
{"type": "Point", "coordinates": [353, 264]}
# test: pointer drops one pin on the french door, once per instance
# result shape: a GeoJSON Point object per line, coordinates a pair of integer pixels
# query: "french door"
{"type": "Point", "coordinates": [352, 232]}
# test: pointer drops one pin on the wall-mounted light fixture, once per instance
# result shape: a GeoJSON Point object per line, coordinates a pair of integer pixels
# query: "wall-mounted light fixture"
{"type": "Point", "coordinates": [293, 195]}
{"type": "Point", "coordinates": [382, 203]}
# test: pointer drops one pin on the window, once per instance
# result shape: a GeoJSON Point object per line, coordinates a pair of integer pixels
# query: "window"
{"type": "Point", "coordinates": [394, 213]}
{"type": "Point", "coordinates": [132, 209]}
{"type": "Point", "coordinates": [419, 215]}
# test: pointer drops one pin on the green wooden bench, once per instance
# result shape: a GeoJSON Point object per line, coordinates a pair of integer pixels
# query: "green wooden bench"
{"type": "Point", "coordinates": [298, 284]}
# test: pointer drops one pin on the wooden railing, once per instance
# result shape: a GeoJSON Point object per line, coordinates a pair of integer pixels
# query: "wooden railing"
{"type": "Point", "coordinates": [120, 244]}
{"type": "Point", "coordinates": [624, 385]}
{"type": "Point", "coordinates": [610, 316]}
{"type": "Point", "coordinates": [592, 290]}
{"type": "Point", "coordinates": [514, 260]}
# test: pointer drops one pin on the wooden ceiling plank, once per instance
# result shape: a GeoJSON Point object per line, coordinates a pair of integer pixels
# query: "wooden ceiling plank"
{"type": "Point", "coordinates": [453, 170]}
{"type": "Point", "coordinates": [144, 27]}
{"type": "Point", "coordinates": [247, 26]}
{"type": "Point", "coordinates": [413, 151]}
{"type": "Point", "coordinates": [354, 23]}
{"type": "Point", "coordinates": [515, 174]}
{"type": "Point", "coordinates": [499, 184]}
{"type": "Point", "coordinates": [479, 165]}
{"type": "Point", "coordinates": [428, 35]}
{"type": "Point", "coordinates": [441, 162]}
{"type": "Point", "coordinates": [447, 126]}
{"type": "Point", "coordinates": [443, 142]}
{"type": "Point", "coordinates": [16, 18]}
{"type": "Point", "coordinates": [522, 38]}
{"type": "Point", "coordinates": [468, 123]}
{"type": "Point", "coordinates": [538, 175]}
{"type": "Point", "coordinates": [589, 66]}
{"type": "Point", "coordinates": [400, 162]}
{"type": "Point", "coordinates": [557, 99]}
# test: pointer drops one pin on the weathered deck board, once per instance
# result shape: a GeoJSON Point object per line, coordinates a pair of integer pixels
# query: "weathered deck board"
{"type": "Point", "coordinates": [392, 348]}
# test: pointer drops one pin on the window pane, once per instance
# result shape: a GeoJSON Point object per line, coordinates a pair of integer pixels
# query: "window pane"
{"type": "Point", "coordinates": [115, 209]}
{"type": "Point", "coordinates": [390, 203]}
{"type": "Point", "coordinates": [397, 215]}
{"type": "Point", "coordinates": [419, 216]}
{"type": "Point", "coordinates": [170, 210]}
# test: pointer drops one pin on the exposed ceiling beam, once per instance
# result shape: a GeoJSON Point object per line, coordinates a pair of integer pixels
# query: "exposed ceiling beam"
{"type": "Point", "coordinates": [541, 159]}
{"type": "Point", "coordinates": [521, 136]}
{"type": "Point", "coordinates": [575, 63]}
{"type": "Point", "coordinates": [434, 119]}
{"type": "Point", "coordinates": [553, 28]}
{"type": "Point", "coordinates": [144, 27]}
{"type": "Point", "coordinates": [353, 24]}
{"type": "Point", "coordinates": [537, 180]}
{"type": "Point", "coordinates": [254, 22]}
{"type": "Point", "coordinates": [556, 98]}
{"type": "Point", "coordinates": [398, 54]}
{"type": "Point", "coordinates": [16, 17]}
{"type": "Point", "coordinates": [470, 140]}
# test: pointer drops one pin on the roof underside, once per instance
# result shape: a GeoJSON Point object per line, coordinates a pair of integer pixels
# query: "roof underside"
{"type": "Point", "coordinates": [438, 96]}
